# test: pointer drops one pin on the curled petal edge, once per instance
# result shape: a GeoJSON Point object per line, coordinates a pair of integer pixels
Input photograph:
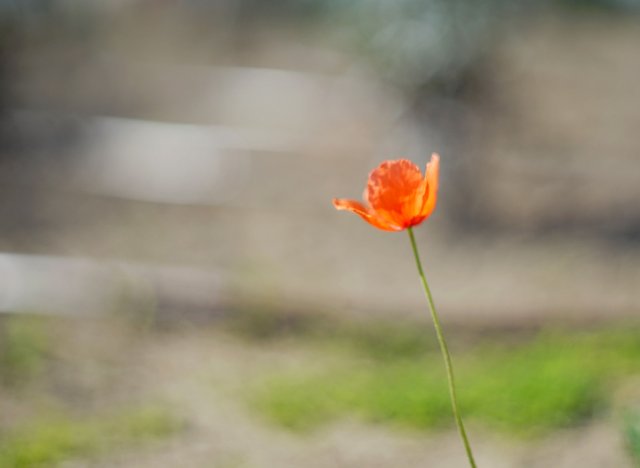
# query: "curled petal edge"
{"type": "Point", "coordinates": [366, 214]}
{"type": "Point", "coordinates": [431, 193]}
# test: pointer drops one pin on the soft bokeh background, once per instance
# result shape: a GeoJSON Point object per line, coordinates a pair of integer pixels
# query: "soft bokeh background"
{"type": "Point", "coordinates": [176, 288]}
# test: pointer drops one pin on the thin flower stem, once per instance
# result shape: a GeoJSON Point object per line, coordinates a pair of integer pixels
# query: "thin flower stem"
{"type": "Point", "coordinates": [445, 351]}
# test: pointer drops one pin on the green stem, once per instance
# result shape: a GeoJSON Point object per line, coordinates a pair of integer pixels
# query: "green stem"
{"type": "Point", "coordinates": [445, 352]}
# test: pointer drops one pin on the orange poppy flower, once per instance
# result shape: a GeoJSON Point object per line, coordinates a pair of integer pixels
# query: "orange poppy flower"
{"type": "Point", "coordinates": [397, 194]}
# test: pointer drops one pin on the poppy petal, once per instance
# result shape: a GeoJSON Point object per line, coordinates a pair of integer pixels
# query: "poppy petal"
{"type": "Point", "coordinates": [359, 209]}
{"type": "Point", "coordinates": [392, 189]}
{"type": "Point", "coordinates": [431, 178]}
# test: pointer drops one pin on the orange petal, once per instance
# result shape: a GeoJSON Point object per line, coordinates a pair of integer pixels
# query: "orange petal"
{"type": "Point", "coordinates": [431, 194]}
{"type": "Point", "coordinates": [367, 215]}
{"type": "Point", "coordinates": [392, 191]}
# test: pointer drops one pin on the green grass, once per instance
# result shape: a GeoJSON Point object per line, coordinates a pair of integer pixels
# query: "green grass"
{"type": "Point", "coordinates": [23, 348]}
{"type": "Point", "coordinates": [392, 374]}
{"type": "Point", "coordinates": [52, 440]}
{"type": "Point", "coordinates": [632, 434]}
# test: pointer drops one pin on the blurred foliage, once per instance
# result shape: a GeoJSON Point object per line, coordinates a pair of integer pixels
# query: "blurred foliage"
{"type": "Point", "coordinates": [263, 323]}
{"type": "Point", "coordinates": [411, 43]}
{"type": "Point", "coordinates": [52, 440]}
{"type": "Point", "coordinates": [377, 339]}
{"type": "Point", "coordinates": [554, 380]}
{"type": "Point", "coordinates": [23, 349]}
{"type": "Point", "coordinates": [408, 42]}
{"type": "Point", "coordinates": [601, 5]}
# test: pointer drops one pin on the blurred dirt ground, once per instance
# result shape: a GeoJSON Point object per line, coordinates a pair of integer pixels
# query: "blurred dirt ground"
{"type": "Point", "coordinates": [200, 374]}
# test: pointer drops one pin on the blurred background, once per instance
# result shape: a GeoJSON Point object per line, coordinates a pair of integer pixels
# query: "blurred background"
{"type": "Point", "coordinates": [176, 288]}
